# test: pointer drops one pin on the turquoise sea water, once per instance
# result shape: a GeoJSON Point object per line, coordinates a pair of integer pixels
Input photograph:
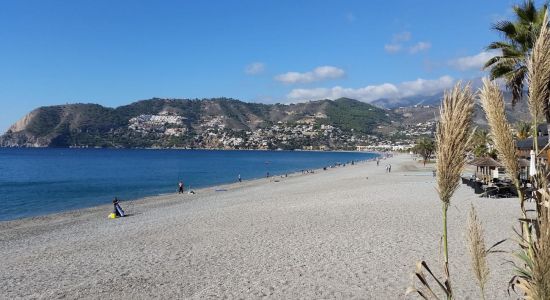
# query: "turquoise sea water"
{"type": "Point", "coordinates": [40, 181]}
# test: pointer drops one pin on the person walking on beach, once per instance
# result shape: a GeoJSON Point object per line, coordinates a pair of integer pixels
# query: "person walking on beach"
{"type": "Point", "coordinates": [378, 162]}
{"type": "Point", "coordinates": [180, 187]}
{"type": "Point", "coordinates": [239, 178]}
{"type": "Point", "coordinates": [389, 168]}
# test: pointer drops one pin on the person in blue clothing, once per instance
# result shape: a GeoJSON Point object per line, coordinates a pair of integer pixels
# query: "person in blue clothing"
{"type": "Point", "coordinates": [117, 209]}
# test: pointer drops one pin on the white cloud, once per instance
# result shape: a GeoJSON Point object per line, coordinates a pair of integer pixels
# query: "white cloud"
{"type": "Point", "coordinates": [425, 86]}
{"type": "Point", "coordinates": [318, 74]}
{"type": "Point", "coordinates": [473, 62]}
{"type": "Point", "coordinates": [420, 46]}
{"type": "Point", "coordinates": [392, 48]}
{"type": "Point", "coordinates": [401, 37]}
{"type": "Point", "coordinates": [401, 41]}
{"type": "Point", "coordinates": [373, 92]}
{"type": "Point", "coordinates": [254, 68]}
{"type": "Point", "coordinates": [396, 42]}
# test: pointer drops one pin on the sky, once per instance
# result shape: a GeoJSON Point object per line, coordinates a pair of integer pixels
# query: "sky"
{"type": "Point", "coordinates": [117, 52]}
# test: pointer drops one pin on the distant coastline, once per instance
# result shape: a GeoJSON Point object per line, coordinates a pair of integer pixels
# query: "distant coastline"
{"type": "Point", "coordinates": [214, 149]}
{"type": "Point", "coordinates": [75, 178]}
{"type": "Point", "coordinates": [184, 148]}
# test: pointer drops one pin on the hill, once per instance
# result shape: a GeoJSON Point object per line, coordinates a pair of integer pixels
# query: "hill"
{"type": "Point", "coordinates": [224, 123]}
{"type": "Point", "coordinates": [205, 123]}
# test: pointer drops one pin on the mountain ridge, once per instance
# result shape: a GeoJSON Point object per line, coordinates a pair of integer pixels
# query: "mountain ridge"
{"type": "Point", "coordinates": [229, 123]}
{"type": "Point", "coordinates": [159, 122]}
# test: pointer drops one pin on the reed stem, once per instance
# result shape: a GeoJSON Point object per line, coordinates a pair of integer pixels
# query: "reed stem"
{"type": "Point", "coordinates": [526, 234]}
{"type": "Point", "coordinates": [535, 137]}
{"type": "Point", "coordinates": [446, 249]}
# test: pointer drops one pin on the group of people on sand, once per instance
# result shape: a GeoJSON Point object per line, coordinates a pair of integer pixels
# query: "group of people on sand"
{"type": "Point", "coordinates": [388, 166]}
{"type": "Point", "coordinates": [181, 185]}
{"type": "Point", "coordinates": [118, 212]}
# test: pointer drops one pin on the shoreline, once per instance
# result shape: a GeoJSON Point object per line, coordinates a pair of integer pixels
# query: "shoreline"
{"type": "Point", "coordinates": [202, 149]}
{"type": "Point", "coordinates": [93, 208]}
{"type": "Point", "coordinates": [160, 187]}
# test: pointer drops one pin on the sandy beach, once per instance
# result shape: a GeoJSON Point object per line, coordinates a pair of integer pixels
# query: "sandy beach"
{"type": "Point", "coordinates": [349, 232]}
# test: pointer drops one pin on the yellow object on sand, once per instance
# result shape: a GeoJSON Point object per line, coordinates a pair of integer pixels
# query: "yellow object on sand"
{"type": "Point", "coordinates": [112, 216]}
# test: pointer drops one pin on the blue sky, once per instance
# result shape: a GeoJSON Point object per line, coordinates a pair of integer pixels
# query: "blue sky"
{"type": "Point", "coordinates": [117, 52]}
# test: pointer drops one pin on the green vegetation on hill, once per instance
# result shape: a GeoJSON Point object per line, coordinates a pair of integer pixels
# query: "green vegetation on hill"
{"type": "Point", "coordinates": [97, 126]}
{"type": "Point", "coordinates": [352, 114]}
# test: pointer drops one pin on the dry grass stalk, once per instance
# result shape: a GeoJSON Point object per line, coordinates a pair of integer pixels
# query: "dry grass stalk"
{"type": "Point", "coordinates": [538, 65]}
{"type": "Point", "coordinates": [452, 139]}
{"type": "Point", "coordinates": [425, 290]}
{"type": "Point", "coordinates": [533, 277]}
{"type": "Point", "coordinates": [453, 134]}
{"type": "Point", "coordinates": [501, 131]}
{"type": "Point", "coordinates": [541, 261]}
{"type": "Point", "coordinates": [478, 250]}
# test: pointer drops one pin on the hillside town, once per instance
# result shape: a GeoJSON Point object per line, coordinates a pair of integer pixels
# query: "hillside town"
{"type": "Point", "coordinates": [308, 134]}
{"type": "Point", "coordinates": [163, 124]}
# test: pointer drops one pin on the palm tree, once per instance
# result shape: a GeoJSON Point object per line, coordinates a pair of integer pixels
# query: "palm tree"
{"type": "Point", "coordinates": [519, 37]}
{"type": "Point", "coordinates": [523, 130]}
{"type": "Point", "coordinates": [481, 143]}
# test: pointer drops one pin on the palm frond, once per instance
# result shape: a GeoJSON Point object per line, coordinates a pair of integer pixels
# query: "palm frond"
{"type": "Point", "coordinates": [507, 28]}
{"type": "Point", "coordinates": [515, 84]}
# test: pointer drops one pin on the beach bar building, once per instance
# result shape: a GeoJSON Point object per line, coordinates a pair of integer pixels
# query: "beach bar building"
{"type": "Point", "coordinates": [487, 168]}
{"type": "Point", "coordinates": [525, 146]}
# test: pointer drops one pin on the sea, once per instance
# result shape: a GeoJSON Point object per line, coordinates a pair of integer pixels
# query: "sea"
{"type": "Point", "coordinates": [39, 181]}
